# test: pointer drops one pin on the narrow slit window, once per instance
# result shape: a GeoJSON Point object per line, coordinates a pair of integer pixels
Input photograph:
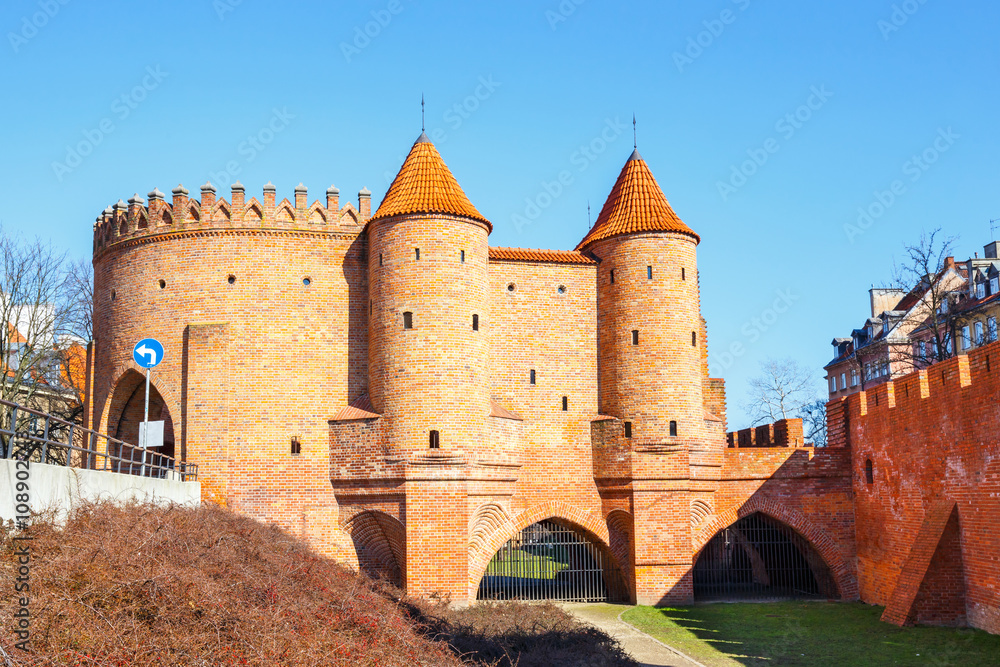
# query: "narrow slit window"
{"type": "Point", "coordinates": [435, 440]}
{"type": "Point", "coordinates": [694, 338]}
{"type": "Point", "coordinates": [628, 429]}
{"type": "Point", "coordinates": [371, 308]}
{"type": "Point", "coordinates": [407, 320]}
{"type": "Point", "coordinates": [635, 336]}
{"type": "Point", "coordinates": [673, 428]}
{"type": "Point", "coordinates": [532, 376]}
{"type": "Point", "coordinates": [296, 445]}
{"type": "Point", "coordinates": [380, 259]}
{"type": "Point", "coordinates": [869, 471]}
{"type": "Point", "coordinates": [565, 405]}
{"type": "Point", "coordinates": [612, 276]}
{"type": "Point", "coordinates": [683, 274]}
{"type": "Point", "coordinates": [649, 273]}
{"type": "Point", "coordinates": [416, 251]}
{"type": "Point", "coordinates": [475, 322]}
{"type": "Point", "coordinates": [462, 255]}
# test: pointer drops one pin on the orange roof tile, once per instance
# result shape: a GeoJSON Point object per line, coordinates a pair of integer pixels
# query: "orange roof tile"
{"type": "Point", "coordinates": [528, 255]}
{"type": "Point", "coordinates": [360, 408]}
{"type": "Point", "coordinates": [497, 410]}
{"type": "Point", "coordinates": [424, 184]}
{"type": "Point", "coordinates": [636, 204]}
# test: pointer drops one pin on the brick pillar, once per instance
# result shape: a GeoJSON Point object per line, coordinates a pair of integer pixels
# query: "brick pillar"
{"type": "Point", "coordinates": [204, 418]}
{"type": "Point", "coordinates": [437, 536]}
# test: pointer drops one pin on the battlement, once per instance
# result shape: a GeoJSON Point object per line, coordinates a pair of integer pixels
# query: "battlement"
{"type": "Point", "coordinates": [782, 433]}
{"type": "Point", "coordinates": [122, 222]}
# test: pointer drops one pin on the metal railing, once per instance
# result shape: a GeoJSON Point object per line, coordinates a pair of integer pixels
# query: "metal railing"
{"type": "Point", "coordinates": [33, 435]}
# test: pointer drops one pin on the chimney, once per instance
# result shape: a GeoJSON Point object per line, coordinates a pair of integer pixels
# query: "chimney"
{"type": "Point", "coordinates": [301, 193]}
{"type": "Point", "coordinates": [365, 204]}
{"type": "Point", "coordinates": [180, 203]}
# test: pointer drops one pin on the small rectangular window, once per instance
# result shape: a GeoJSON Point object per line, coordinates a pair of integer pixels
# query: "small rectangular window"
{"type": "Point", "coordinates": [565, 406]}
{"type": "Point", "coordinates": [380, 259]}
{"type": "Point", "coordinates": [462, 254]}
{"type": "Point", "coordinates": [612, 276]}
{"type": "Point", "coordinates": [683, 276]}
{"type": "Point", "coordinates": [416, 251]}
{"type": "Point", "coordinates": [694, 339]}
{"type": "Point", "coordinates": [843, 381]}
{"type": "Point", "coordinates": [649, 273]}
{"type": "Point", "coordinates": [635, 336]}
{"type": "Point", "coordinates": [532, 376]}
{"type": "Point", "coordinates": [628, 429]}
{"type": "Point", "coordinates": [296, 445]}
{"type": "Point", "coordinates": [673, 428]}
{"type": "Point", "coordinates": [475, 322]}
{"type": "Point", "coordinates": [435, 440]}
{"type": "Point", "coordinates": [407, 320]}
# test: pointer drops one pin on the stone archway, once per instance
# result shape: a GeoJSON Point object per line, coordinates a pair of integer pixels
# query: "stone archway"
{"type": "Point", "coordinates": [125, 412]}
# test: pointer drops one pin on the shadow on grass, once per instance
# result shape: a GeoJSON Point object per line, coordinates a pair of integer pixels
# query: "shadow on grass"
{"type": "Point", "coordinates": [810, 633]}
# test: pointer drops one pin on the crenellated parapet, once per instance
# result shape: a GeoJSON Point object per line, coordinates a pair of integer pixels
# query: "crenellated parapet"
{"type": "Point", "coordinates": [155, 215]}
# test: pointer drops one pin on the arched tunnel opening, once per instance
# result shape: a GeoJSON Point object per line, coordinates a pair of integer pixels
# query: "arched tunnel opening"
{"type": "Point", "coordinates": [761, 558]}
{"type": "Point", "coordinates": [550, 560]}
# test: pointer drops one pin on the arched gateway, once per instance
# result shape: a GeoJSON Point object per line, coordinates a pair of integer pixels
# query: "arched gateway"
{"type": "Point", "coordinates": [761, 558]}
{"type": "Point", "coordinates": [552, 560]}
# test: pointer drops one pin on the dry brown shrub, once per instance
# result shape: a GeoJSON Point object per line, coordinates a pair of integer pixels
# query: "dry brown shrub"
{"type": "Point", "coordinates": [142, 585]}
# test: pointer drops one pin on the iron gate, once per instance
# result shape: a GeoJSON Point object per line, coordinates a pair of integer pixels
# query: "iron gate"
{"type": "Point", "coordinates": [549, 561]}
{"type": "Point", "coordinates": [760, 558]}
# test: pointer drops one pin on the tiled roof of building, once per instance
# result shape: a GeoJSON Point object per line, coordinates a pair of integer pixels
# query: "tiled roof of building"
{"type": "Point", "coordinates": [424, 184]}
{"type": "Point", "coordinates": [497, 410]}
{"type": "Point", "coordinates": [360, 408]}
{"type": "Point", "coordinates": [636, 204]}
{"type": "Point", "coordinates": [528, 255]}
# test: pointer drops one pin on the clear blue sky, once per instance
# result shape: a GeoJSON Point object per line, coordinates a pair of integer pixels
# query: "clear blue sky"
{"type": "Point", "coordinates": [199, 78]}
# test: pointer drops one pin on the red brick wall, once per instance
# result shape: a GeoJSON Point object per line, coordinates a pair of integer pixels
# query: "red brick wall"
{"type": "Point", "coordinates": [931, 436]}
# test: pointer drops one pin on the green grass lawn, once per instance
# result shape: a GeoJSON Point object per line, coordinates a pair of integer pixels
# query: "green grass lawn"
{"type": "Point", "coordinates": [523, 564]}
{"type": "Point", "coordinates": [809, 633]}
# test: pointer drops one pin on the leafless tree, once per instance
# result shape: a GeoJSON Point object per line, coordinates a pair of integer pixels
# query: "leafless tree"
{"type": "Point", "coordinates": [36, 311]}
{"type": "Point", "coordinates": [814, 422]}
{"type": "Point", "coordinates": [780, 392]}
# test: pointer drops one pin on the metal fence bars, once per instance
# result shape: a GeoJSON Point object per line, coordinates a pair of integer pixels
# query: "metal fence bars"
{"type": "Point", "coordinates": [760, 558]}
{"type": "Point", "coordinates": [32, 435]}
{"type": "Point", "coordinates": [551, 561]}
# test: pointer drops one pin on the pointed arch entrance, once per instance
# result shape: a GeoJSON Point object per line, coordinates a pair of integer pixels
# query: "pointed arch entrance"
{"type": "Point", "coordinates": [761, 558]}
{"type": "Point", "coordinates": [126, 413]}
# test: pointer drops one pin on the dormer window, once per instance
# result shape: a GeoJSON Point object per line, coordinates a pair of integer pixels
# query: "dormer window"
{"type": "Point", "coordinates": [885, 326]}
{"type": "Point", "coordinates": [980, 290]}
{"type": "Point", "coordinates": [995, 285]}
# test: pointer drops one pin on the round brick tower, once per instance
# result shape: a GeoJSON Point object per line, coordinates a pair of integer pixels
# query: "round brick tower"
{"type": "Point", "coordinates": [649, 313]}
{"type": "Point", "coordinates": [429, 312]}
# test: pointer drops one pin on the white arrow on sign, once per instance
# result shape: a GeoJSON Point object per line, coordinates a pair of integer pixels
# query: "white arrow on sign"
{"type": "Point", "coordinates": [143, 350]}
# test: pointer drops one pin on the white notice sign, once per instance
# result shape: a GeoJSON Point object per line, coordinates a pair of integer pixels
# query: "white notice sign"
{"type": "Point", "coordinates": [151, 434]}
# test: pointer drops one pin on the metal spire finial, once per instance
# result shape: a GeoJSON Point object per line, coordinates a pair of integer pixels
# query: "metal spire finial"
{"type": "Point", "coordinates": [423, 125]}
{"type": "Point", "coordinates": [588, 214]}
{"type": "Point", "coordinates": [635, 142]}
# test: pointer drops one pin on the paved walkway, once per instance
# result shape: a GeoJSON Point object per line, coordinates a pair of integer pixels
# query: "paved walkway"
{"type": "Point", "coordinates": [648, 651]}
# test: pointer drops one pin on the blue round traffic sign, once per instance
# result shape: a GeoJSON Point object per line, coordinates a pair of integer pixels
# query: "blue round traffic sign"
{"type": "Point", "coordinates": [147, 352]}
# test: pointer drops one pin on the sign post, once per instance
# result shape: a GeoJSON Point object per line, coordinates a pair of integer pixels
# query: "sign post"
{"type": "Point", "coordinates": [147, 353]}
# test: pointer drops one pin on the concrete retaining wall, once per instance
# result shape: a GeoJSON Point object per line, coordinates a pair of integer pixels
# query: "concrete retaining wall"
{"type": "Point", "coordinates": [58, 488]}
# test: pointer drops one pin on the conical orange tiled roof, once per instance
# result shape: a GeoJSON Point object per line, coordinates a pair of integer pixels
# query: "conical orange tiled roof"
{"type": "Point", "coordinates": [636, 204]}
{"type": "Point", "coordinates": [424, 184]}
